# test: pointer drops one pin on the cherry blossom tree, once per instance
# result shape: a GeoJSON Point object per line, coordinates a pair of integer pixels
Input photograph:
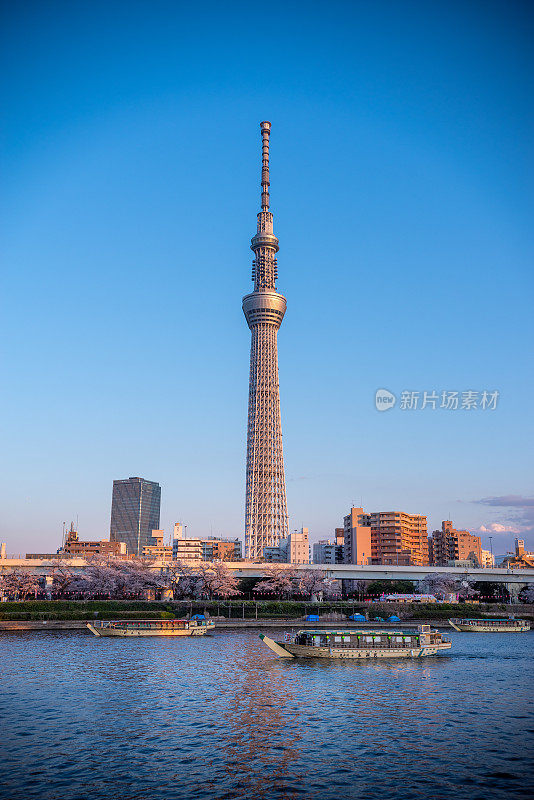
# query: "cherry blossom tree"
{"type": "Point", "coordinates": [527, 594]}
{"type": "Point", "coordinates": [219, 581]}
{"type": "Point", "coordinates": [62, 578]}
{"type": "Point", "coordinates": [116, 578]}
{"type": "Point", "coordinates": [277, 580]}
{"type": "Point", "coordinates": [20, 584]}
{"type": "Point", "coordinates": [314, 583]}
{"type": "Point", "coordinates": [185, 580]}
{"type": "Point", "coordinates": [440, 584]}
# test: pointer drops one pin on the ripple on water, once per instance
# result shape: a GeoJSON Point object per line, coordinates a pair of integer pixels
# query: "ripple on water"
{"type": "Point", "coordinates": [223, 718]}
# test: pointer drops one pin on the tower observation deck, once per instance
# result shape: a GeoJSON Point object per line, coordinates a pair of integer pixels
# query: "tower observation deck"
{"type": "Point", "coordinates": [266, 519]}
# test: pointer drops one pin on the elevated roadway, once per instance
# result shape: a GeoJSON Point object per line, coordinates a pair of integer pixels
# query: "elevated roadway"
{"type": "Point", "coordinates": [247, 569]}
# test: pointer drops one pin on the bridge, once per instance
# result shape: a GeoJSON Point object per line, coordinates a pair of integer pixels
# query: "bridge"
{"type": "Point", "coordinates": [513, 579]}
{"type": "Point", "coordinates": [388, 573]}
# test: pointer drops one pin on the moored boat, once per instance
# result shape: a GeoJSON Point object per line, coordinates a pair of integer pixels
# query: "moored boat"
{"type": "Point", "coordinates": [509, 625]}
{"type": "Point", "coordinates": [151, 627]}
{"type": "Point", "coordinates": [360, 644]}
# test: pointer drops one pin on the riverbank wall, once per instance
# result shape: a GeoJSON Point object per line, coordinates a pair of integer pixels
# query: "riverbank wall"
{"type": "Point", "coordinates": [52, 626]}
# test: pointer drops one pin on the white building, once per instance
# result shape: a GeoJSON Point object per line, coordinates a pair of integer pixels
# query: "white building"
{"type": "Point", "coordinates": [293, 550]}
{"type": "Point", "coordinates": [488, 560]}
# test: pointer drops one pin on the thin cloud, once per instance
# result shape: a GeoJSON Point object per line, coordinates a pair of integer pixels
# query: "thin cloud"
{"type": "Point", "coordinates": [507, 500]}
{"type": "Point", "coordinates": [519, 519]}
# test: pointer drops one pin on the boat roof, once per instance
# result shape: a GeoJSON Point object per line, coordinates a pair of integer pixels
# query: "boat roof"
{"type": "Point", "coordinates": [351, 631]}
{"type": "Point", "coordinates": [490, 619]}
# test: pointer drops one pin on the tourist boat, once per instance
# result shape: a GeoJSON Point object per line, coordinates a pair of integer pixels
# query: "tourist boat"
{"type": "Point", "coordinates": [151, 627]}
{"type": "Point", "coordinates": [490, 625]}
{"type": "Point", "coordinates": [359, 644]}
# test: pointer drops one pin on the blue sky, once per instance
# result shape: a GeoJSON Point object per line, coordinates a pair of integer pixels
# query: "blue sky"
{"type": "Point", "coordinates": [401, 183]}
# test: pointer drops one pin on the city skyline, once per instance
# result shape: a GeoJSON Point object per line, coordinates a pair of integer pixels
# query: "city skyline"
{"type": "Point", "coordinates": [405, 218]}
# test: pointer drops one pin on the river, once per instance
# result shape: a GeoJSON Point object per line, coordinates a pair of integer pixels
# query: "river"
{"type": "Point", "coordinates": [221, 717]}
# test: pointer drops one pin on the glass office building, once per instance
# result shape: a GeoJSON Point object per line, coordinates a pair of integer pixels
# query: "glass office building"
{"type": "Point", "coordinates": [135, 508]}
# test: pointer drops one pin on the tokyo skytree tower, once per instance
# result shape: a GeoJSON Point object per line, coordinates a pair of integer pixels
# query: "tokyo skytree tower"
{"type": "Point", "coordinates": [265, 504]}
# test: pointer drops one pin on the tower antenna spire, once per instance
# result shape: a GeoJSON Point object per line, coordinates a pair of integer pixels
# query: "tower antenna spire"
{"type": "Point", "coordinates": [265, 183]}
{"type": "Point", "coordinates": [266, 520]}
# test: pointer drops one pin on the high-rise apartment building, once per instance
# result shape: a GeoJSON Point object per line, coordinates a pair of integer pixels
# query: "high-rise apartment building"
{"type": "Point", "coordinates": [449, 544]}
{"type": "Point", "coordinates": [357, 538]}
{"type": "Point", "coordinates": [266, 521]}
{"type": "Point", "coordinates": [397, 539]}
{"type": "Point", "coordinates": [135, 512]}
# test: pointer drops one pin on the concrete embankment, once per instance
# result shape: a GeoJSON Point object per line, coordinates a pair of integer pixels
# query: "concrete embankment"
{"type": "Point", "coordinates": [234, 624]}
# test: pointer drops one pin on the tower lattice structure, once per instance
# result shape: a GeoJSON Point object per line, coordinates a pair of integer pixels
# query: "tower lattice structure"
{"type": "Point", "coordinates": [266, 519]}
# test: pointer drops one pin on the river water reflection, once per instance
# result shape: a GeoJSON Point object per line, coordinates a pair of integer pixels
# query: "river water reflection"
{"type": "Point", "coordinates": [222, 717]}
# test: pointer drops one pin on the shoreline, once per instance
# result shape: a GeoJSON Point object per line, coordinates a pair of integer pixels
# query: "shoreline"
{"type": "Point", "coordinates": [246, 624]}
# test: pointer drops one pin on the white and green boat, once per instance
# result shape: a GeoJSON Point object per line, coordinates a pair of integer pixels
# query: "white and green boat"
{"type": "Point", "coordinates": [359, 644]}
{"type": "Point", "coordinates": [509, 625]}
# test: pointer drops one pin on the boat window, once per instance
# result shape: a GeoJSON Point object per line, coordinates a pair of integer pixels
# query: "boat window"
{"type": "Point", "coordinates": [337, 638]}
{"type": "Point", "coordinates": [346, 638]}
{"type": "Point", "coordinates": [368, 638]}
{"type": "Point", "coordinates": [377, 638]}
{"type": "Point", "coordinates": [398, 638]}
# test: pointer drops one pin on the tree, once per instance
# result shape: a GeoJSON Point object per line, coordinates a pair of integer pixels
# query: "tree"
{"type": "Point", "coordinates": [20, 584]}
{"type": "Point", "coordinates": [62, 578]}
{"type": "Point", "coordinates": [312, 582]}
{"type": "Point", "coordinates": [527, 594]}
{"type": "Point", "coordinates": [466, 589]}
{"type": "Point", "coordinates": [116, 578]}
{"type": "Point", "coordinates": [389, 587]}
{"type": "Point", "coordinates": [440, 584]}
{"type": "Point", "coordinates": [361, 588]}
{"type": "Point", "coordinates": [219, 581]}
{"type": "Point", "coordinates": [189, 583]}
{"type": "Point", "coordinates": [277, 580]}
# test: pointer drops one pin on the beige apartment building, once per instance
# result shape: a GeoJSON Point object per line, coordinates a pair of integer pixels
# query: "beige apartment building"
{"type": "Point", "coordinates": [450, 544]}
{"type": "Point", "coordinates": [157, 550]}
{"type": "Point", "coordinates": [356, 538]}
{"type": "Point", "coordinates": [397, 538]}
{"type": "Point", "coordinates": [298, 547]}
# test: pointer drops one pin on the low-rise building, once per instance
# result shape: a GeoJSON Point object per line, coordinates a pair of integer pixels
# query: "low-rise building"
{"type": "Point", "coordinates": [488, 559]}
{"type": "Point", "coordinates": [199, 549]}
{"type": "Point", "coordinates": [74, 547]}
{"type": "Point", "coordinates": [187, 550]}
{"type": "Point", "coordinates": [293, 550]}
{"type": "Point", "coordinates": [521, 559]}
{"type": "Point", "coordinates": [157, 551]}
{"type": "Point", "coordinates": [218, 549]}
